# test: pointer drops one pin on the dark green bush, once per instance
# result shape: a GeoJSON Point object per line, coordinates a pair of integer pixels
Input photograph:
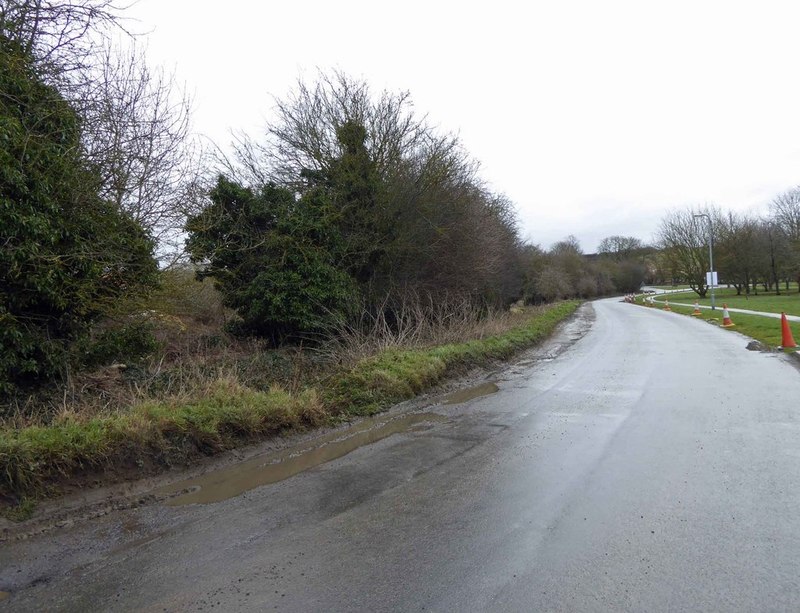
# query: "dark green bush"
{"type": "Point", "coordinates": [126, 343]}
{"type": "Point", "coordinates": [273, 257]}
{"type": "Point", "coordinates": [67, 256]}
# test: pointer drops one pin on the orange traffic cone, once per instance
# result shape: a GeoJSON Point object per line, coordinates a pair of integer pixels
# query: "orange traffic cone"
{"type": "Point", "coordinates": [787, 340]}
{"type": "Point", "coordinates": [666, 305]}
{"type": "Point", "coordinates": [726, 317]}
{"type": "Point", "coordinates": [696, 312]}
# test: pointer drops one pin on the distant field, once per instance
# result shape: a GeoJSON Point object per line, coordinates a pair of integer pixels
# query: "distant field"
{"type": "Point", "coordinates": [787, 302]}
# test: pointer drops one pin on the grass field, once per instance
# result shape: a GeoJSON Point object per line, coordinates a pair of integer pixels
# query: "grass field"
{"type": "Point", "coordinates": [787, 302]}
{"type": "Point", "coordinates": [764, 329]}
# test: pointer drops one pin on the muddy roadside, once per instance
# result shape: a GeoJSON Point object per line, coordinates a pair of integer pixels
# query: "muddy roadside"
{"type": "Point", "coordinates": [281, 457]}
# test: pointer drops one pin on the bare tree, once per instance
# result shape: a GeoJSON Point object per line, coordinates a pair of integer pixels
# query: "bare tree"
{"type": "Point", "coordinates": [619, 247]}
{"type": "Point", "coordinates": [304, 136]}
{"type": "Point", "coordinates": [553, 283]}
{"type": "Point", "coordinates": [685, 246]}
{"type": "Point", "coordinates": [738, 253]}
{"type": "Point", "coordinates": [60, 35]}
{"type": "Point", "coordinates": [785, 209]}
{"type": "Point", "coordinates": [774, 255]}
{"type": "Point", "coordinates": [134, 119]}
{"type": "Point", "coordinates": [567, 256]}
{"type": "Point", "coordinates": [137, 133]}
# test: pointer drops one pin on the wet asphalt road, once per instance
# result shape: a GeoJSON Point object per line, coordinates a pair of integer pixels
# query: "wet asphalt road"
{"type": "Point", "coordinates": [654, 465]}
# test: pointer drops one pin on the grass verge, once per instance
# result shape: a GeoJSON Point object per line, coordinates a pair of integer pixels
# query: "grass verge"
{"type": "Point", "coordinates": [227, 413]}
{"type": "Point", "coordinates": [767, 330]}
{"type": "Point", "coordinates": [397, 375]}
{"type": "Point", "coordinates": [787, 302]}
{"type": "Point", "coordinates": [671, 287]}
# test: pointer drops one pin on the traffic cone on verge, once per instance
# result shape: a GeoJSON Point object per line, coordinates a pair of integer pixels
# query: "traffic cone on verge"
{"type": "Point", "coordinates": [787, 340]}
{"type": "Point", "coordinates": [666, 305]}
{"type": "Point", "coordinates": [726, 317]}
{"type": "Point", "coordinates": [696, 312]}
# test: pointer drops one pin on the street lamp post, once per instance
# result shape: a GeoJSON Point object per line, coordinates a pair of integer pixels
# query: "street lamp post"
{"type": "Point", "coordinates": [710, 253]}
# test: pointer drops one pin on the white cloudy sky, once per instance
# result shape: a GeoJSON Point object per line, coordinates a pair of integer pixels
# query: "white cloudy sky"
{"type": "Point", "coordinates": [593, 116]}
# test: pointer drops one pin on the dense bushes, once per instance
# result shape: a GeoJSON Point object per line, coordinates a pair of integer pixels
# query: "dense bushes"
{"type": "Point", "coordinates": [273, 258]}
{"type": "Point", "coordinates": [67, 255]}
{"type": "Point", "coordinates": [351, 200]}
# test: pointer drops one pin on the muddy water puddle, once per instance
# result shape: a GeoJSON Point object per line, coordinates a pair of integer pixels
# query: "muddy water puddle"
{"type": "Point", "coordinates": [270, 468]}
{"type": "Point", "coordinates": [470, 393]}
{"type": "Point", "coordinates": [4, 595]}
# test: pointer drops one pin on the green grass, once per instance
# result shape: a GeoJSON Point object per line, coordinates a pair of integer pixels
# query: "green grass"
{"type": "Point", "coordinates": [227, 413]}
{"type": "Point", "coordinates": [394, 376]}
{"type": "Point", "coordinates": [671, 287]}
{"type": "Point", "coordinates": [21, 511]}
{"type": "Point", "coordinates": [221, 415]}
{"type": "Point", "coordinates": [788, 303]}
{"type": "Point", "coordinates": [764, 329]}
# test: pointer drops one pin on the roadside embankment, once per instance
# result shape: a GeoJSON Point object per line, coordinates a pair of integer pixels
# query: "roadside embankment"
{"type": "Point", "coordinates": [153, 435]}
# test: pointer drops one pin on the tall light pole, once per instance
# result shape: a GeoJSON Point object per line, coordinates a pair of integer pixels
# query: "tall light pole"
{"type": "Point", "coordinates": [710, 252]}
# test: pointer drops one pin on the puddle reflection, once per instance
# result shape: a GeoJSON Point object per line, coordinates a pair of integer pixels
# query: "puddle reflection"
{"type": "Point", "coordinates": [265, 469]}
{"type": "Point", "coordinates": [472, 392]}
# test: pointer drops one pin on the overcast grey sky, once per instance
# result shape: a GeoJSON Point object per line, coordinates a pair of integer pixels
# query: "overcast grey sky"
{"type": "Point", "coordinates": [594, 117]}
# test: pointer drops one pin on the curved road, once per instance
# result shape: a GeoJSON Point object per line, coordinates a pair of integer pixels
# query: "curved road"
{"type": "Point", "coordinates": [653, 465]}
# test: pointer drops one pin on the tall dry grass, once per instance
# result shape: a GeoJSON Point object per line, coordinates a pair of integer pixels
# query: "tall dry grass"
{"type": "Point", "coordinates": [188, 319]}
{"type": "Point", "coordinates": [414, 321]}
{"type": "Point", "coordinates": [195, 352]}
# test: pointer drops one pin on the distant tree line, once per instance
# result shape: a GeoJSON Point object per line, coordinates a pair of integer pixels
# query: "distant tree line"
{"type": "Point", "coordinates": [750, 253]}
{"type": "Point", "coordinates": [621, 265]}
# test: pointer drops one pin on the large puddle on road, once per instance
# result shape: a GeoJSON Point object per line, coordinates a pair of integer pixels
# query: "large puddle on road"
{"type": "Point", "coordinates": [470, 393]}
{"type": "Point", "coordinates": [271, 468]}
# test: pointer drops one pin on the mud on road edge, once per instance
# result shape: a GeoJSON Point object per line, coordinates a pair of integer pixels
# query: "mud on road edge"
{"type": "Point", "coordinates": [86, 504]}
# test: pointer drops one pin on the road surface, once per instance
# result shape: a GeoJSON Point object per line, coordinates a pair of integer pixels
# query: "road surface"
{"type": "Point", "coordinates": [652, 465]}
